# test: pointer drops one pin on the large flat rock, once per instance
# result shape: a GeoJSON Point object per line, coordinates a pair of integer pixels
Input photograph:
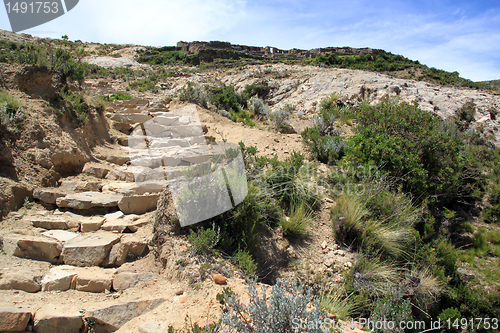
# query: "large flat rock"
{"type": "Point", "coordinates": [52, 222]}
{"type": "Point", "coordinates": [89, 249]}
{"type": "Point", "coordinates": [88, 200]}
{"type": "Point", "coordinates": [33, 247]}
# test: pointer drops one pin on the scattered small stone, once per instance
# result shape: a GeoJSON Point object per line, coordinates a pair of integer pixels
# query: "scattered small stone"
{"type": "Point", "coordinates": [329, 200]}
{"type": "Point", "coordinates": [183, 299]}
{"type": "Point", "coordinates": [328, 261]}
{"type": "Point", "coordinates": [324, 244]}
{"type": "Point", "coordinates": [220, 279]}
{"type": "Point", "coordinates": [179, 292]}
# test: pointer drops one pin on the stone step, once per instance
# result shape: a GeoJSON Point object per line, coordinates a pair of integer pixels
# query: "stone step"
{"type": "Point", "coordinates": [107, 249]}
{"type": "Point", "coordinates": [51, 318]}
{"type": "Point", "coordinates": [88, 200]}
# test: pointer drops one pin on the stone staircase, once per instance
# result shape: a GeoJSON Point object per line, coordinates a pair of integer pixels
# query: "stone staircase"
{"type": "Point", "coordinates": [98, 221]}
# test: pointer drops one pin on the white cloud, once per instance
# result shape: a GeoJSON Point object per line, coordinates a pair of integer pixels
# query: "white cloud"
{"type": "Point", "coordinates": [446, 40]}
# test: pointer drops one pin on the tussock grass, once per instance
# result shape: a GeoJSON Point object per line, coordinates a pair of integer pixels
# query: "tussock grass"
{"type": "Point", "coordinates": [298, 222]}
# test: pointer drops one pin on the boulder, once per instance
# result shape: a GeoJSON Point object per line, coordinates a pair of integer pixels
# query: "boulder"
{"type": "Point", "coordinates": [220, 279]}
{"type": "Point", "coordinates": [89, 224]}
{"type": "Point", "coordinates": [26, 281]}
{"type": "Point", "coordinates": [89, 249]}
{"type": "Point", "coordinates": [33, 247]}
{"type": "Point", "coordinates": [58, 278]}
{"type": "Point", "coordinates": [113, 216]}
{"type": "Point", "coordinates": [138, 204]}
{"type": "Point", "coordinates": [48, 195]}
{"type": "Point", "coordinates": [116, 315]}
{"type": "Point", "coordinates": [125, 280]}
{"type": "Point", "coordinates": [98, 171]}
{"type": "Point", "coordinates": [94, 280]}
{"type": "Point", "coordinates": [13, 319]}
{"type": "Point", "coordinates": [119, 225]}
{"type": "Point", "coordinates": [88, 200]}
{"type": "Point", "coordinates": [52, 319]}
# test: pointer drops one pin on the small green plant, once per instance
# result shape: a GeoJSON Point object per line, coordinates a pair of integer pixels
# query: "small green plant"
{"type": "Point", "coordinates": [203, 240]}
{"type": "Point", "coordinates": [245, 262]}
{"type": "Point", "coordinates": [27, 204]}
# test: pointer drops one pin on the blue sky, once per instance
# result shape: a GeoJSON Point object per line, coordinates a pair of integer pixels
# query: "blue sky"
{"type": "Point", "coordinates": [460, 35]}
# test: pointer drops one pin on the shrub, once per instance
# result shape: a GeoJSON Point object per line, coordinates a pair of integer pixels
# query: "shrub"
{"type": "Point", "coordinates": [337, 302]}
{"type": "Point", "coordinates": [194, 94]}
{"type": "Point", "coordinates": [279, 118]}
{"type": "Point", "coordinates": [290, 182]}
{"type": "Point", "coordinates": [10, 110]}
{"type": "Point", "coordinates": [227, 98]}
{"type": "Point", "coordinates": [393, 308]}
{"type": "Point", "coordinates": [375, 219]}
{"type": "Point", "coordinates": [259, 108]}
{"type": "Point", "coordinates": [203, 240]}
{"type": "Point", "coordinates": [287, 309]}
{"type": "Point", "coordinates": [260, 89]}
{"type": "Point", "coordinates": [245, 262]}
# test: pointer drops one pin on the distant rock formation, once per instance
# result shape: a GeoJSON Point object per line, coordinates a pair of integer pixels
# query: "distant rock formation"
{"type": "Point", "coordinates": [269, 51]}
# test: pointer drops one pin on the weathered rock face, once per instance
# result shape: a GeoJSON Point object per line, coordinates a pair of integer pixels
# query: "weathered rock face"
{"type": "Point", "coordinates": [116, 315]}
{"type": "Point", "coordinates": [51, 319]}
{"type": "Point", "coordinates": [13, 195]}
{"type": "Point", "coordinates": [33, 247]}
{"type": "Point", "coordinates": [88, 250]}
{"type": "Point", "coordinates": [13, 320]}
{"type": "Point", "coordinates": [37, 82]}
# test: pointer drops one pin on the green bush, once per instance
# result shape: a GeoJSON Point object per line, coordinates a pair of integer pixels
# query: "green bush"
{"type": "Point", "coordinates": [227, 98]}
{"type": "Point", "coordinates": [290, 182]}
{"type": "Point", "coordinates": [203, 240]}
{"type": "Point", "coordinates": [259, 108]}
{"type": "Point", "coordinates": [260, 89]}
{"type": "Point", "coordinates": [194, 94]}
{"type": "Point", "coordinates": [245, 262]}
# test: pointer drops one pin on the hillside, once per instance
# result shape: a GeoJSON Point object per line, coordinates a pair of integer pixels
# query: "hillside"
{"type": "Point", "coordinates": [371, 181]}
